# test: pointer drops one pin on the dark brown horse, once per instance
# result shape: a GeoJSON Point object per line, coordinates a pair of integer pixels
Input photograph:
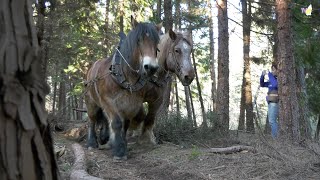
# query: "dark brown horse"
{"type": "Point", "coordinates": [174, 57]}
{"type": "Point", "coordinates": [116, 86]}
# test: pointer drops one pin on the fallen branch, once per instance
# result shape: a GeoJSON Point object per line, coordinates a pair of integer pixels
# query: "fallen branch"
{"type": "Point", "coordinates": [79, 110]}
{"type": "Point", "coordinates": [78, 170]}
{"type": "Point", "coordinates": [232, 149]}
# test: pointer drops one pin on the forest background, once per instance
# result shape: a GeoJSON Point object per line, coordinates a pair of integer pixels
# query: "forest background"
{"type": "Point", "coordinates": [73, 34]}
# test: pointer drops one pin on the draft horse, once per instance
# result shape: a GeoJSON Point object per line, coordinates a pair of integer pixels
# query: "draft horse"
{"type": "Point", "coordinates": [115, 86]}
{"type": "Point", "coordinates": [174, 58]}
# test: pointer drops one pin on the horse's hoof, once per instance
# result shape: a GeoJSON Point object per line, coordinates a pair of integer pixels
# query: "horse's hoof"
{"type": "Point", "coordinates": [119, 159]}
{"type": "Point", "coordinates": [90, 147]}
{"type": "Point", "coordinates": [105, 146]}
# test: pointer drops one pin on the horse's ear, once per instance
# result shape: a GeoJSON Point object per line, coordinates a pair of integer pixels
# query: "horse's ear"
{"type": "Point", "coordinates": [172, 34]}
{"type": "Point", "coordinates": [134, 22]}
{"type": "Point", "coordinates": [159, 26]}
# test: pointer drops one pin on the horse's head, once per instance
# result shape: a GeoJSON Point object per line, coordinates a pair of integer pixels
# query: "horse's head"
{"type": "Point", "coordinates": [141, 47]}
{"type": "Point", "coordinates": [179, 60]}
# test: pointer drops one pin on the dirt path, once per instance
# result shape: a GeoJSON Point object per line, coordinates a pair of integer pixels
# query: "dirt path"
{"type": "Point", "coordinates": [168, 161]}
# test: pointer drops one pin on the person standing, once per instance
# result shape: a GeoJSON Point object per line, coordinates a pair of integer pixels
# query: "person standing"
{"type": "Point", "coordinates": [272, 97]}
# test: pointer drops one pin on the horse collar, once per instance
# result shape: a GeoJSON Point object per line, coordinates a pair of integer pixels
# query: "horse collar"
{"type": "Point", "coordinates": [117, 75]}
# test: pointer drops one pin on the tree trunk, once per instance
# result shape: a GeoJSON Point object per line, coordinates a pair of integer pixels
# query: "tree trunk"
{"type": "Point", "coordinates": [168, 21]}
{"type": "Point", "coordinates": [246, 15]}
{"type": "Point", "coordinates": [62, 100]}
{"type": "Point", "coordinates": [289, 106]}
{"type": "Point", "coordinates": [159, 2]}
{"type": "Point", "coordinates": [106, 26]}
{"type": "Point", "coordinates": [223, 68]}
{"type": "Point", "coordinates": [121, 6]}
{"type": "Point", "coordinates": [54, 98]}
{"type": "Point", "coordinates": [242, 107]}
{"type": "Point", "coordinates": [177, 96]}
{"type": "Point", "coordinates": [305, 125]}
{"type": "Point", "coordinates": [192, 107]}
{"type": "Point", "coordinates": [204, 118]}
{"type": "Point", "coordinates": [189, 112]}
{"type": "Point", "coordinates": [213, 68]}
{"type": "Point", "coordinates": [26, 142]}
{"type": "Point", "coordinates": [177, 14]}
{"type": "Point", "coordinates": [167, 24]}
{"type": "Point", "coordinates": [163, 110]}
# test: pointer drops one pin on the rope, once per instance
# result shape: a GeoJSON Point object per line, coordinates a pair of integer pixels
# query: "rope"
{"type": "Point", "coordinates": [137, 71]}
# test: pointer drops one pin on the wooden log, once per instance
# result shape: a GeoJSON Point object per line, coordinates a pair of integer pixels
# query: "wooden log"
{"type": "Point", "coordinates": [232, 149]}
{"type": "Point", "coordinates": [78, 171]}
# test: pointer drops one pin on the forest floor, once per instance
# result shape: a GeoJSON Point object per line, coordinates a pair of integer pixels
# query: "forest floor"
{"type": "Point", "coordinates": [270, 160]}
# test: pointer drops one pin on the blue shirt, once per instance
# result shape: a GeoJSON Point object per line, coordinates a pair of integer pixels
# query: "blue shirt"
{"type": "Point", "coordinates": [272, 84]}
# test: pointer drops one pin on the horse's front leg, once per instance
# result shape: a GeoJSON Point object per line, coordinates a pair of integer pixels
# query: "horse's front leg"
{"type": "Point", "coordinates": [118, 137]}
{"type": "Point", "coordinates": [147, 135]}
{"type": "Point", "coordinates": [92, 110]}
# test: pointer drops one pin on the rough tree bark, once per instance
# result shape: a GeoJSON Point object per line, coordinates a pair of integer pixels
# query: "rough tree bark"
{"type": "Point", "coordinates": [223, 68]}
{"type": "Point", "coordinates": [26, 150]}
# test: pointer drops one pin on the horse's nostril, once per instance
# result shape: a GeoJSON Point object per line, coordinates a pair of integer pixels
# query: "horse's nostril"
{"type": "Point", "coordinates": [154, 69]}
{"type": "Point", "coordinates": [146, 67]}
{"type": "Point", "coordinates": [186, 78]}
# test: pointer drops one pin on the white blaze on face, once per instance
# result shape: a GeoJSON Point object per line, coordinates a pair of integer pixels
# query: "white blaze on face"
{"type": "Point", "coordinates": [147, 60]}
{"type": "Point", "coordinates": [186, 49]}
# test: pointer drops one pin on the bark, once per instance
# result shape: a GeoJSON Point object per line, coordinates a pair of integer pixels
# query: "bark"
{"type": "Point", "coordinates": [212, 60]}
{"type": "Point", "coordinates": [204, 118]}
{"type": "Point", "coordinates": [168, 21]}
{"type": "Point", "coordinates": [159, 2]}
{"type": "Point", "coordinates": [178, 14]}
{"type": "Point", "coordinates": [106, 26]}
{"type": "Point", "coordinates": [242, 107]}
{"type": "Point", "coordinates": [223, 69]}
{"type": "Point", "coordinates": [305, 125]}
{"type": "Point", "coordinates": [167, 25]}
{"type": "Point", "coordinates": [62, 100]}
{"type": "Point", "coordinates": [188, 106]}
{"type": "Point", "coordinates": [192, 108]}
{"type": "Point", "coordinates": [26, 142]}
{"type": "Point", "coordinates": [121, 6]}
{"type": "Point", "coordinates": [55, 84]}
{"type": "Point", "coordinates": [289, 106]}
{"type": "Point", "coordinates": [246, 15]}
{"type": "Point", "coordinates": [163, 110]}
{"type": "Point", "coordinates": [177, 96]}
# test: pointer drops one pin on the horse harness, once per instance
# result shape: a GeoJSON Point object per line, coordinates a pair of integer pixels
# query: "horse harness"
{"type": "Point", "coordinates": [117, 74]}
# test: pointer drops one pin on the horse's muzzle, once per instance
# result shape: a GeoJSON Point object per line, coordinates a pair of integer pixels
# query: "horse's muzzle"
{"type": "Point", "coordinates": [187, 79]}
{"type": "Point", "coordinates": [150, 69]}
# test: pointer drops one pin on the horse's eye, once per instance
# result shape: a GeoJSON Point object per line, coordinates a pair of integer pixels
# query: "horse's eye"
{"type": "Point", "coordinates": [177, 50]}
